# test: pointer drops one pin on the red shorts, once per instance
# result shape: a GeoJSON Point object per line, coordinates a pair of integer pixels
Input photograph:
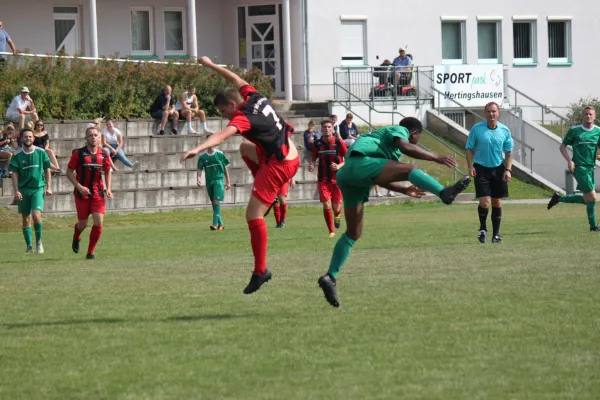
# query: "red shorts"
{"type": "Point", "coordinates": [85, 207]}
{"type": "Point", "coordinates": [271, 177]}
{"type": "Point", "coordinates": [330, 191]}
{"type": "Point", "coordinates": [284, 190]}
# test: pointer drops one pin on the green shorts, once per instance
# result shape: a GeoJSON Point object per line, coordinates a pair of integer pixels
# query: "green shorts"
{"type": "Point", "coordinates": [216, 190]}
{"type": "Point", "coordinates": [33, 200]}
{"type": "Point", "coordinates": [585, 179]}
{"type": "Point", "coordinates": [355, 179]}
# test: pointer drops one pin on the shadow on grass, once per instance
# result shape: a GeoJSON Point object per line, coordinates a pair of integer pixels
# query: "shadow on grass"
{"type": "Point", "coordinates": [109, 321]}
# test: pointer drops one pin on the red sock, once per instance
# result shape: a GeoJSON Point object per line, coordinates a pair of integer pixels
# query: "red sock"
{"type": "Point", "coordinates": [252, 166]}
{"type": "Point", "coordinates": [277, 213]}
{"type": "Point", "coordinates": [283, 211]}
{"type": "Point", "coordinates": [259, 239]}
{"type": "Point", "coordinates": [77, 233]}
{"type": "Point", "coordinates": [329, 219]}
{"type": "Point", "coordinates": [94, 238]}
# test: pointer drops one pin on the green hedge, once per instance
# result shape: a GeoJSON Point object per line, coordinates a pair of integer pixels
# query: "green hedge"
{"type": "Point", "coordinates": [65, 89]}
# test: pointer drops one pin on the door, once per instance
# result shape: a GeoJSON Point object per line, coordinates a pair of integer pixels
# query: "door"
{"type": "Point", "coordinates": [262, 46]}
{"type": "Point", "coordinates": [66, 30]}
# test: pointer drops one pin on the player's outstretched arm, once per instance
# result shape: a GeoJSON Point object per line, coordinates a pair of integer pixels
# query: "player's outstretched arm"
{"type": "Point", "coordinates": [213, 140]}
{"type": "Point", "coordinates": [224, 72]}
{"type": "Point", "coordinates": [415, 151]}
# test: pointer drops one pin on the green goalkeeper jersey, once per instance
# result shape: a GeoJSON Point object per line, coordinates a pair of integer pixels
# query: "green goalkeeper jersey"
{"type": "Point", "coordinates": [584, 143]}
{"type": "Point", "coordinates": [30, 167]}
{"type": "Point", "coordinates": [214, 164]}
{"type": "Point", "coordinates": [380, 143]}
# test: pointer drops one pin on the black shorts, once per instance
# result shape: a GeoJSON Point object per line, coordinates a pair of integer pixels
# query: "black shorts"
{"type": "Point", "coordinates": [489, 182]}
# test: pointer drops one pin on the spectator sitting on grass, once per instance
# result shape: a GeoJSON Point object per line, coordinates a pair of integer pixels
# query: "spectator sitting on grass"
{"type": "Point", "coordinates": [112, 141]}
{"type": "Point", "coordinates": [41, 139]}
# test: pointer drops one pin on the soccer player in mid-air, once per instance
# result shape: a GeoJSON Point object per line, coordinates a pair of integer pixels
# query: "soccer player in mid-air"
{"type": "Point", "coordinates": [330, 150]}
{"type": "Point", "coordinates": [268, 152]}
{"type": "Point", "coordinates": [374, 160]}
{"type": "Point", "coordinates": [215, 162]}
{"type": "Point", "coordinates": [85, 173]}
{"type": "Point", "coordinates": [29, 165]}
{"type": "Point", "coordinates": [584, 139]}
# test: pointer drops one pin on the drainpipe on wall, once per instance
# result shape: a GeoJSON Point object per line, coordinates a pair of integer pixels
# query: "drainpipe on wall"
{"type": "Point", "coordinates": [287, 49]}
{"type": "Point", "coordinates": [93, 29]}
{"type": "Point", "coordinates": [191, 6]}
{"type": "Point", "coordinates": [306, 63]}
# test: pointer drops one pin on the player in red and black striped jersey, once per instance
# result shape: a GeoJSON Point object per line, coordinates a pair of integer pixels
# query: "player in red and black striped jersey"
{"type": "Point", "coordinates": [85, 173]}
{"type": "Point", "coordinates": [330, 150]}
{"type": "Point", "coordinates": [268, 152]}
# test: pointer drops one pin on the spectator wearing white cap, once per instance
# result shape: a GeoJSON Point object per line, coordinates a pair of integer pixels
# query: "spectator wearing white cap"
{"type": "Point", "coordinates": [403, 65]}
{"type": "Point", "coordinates": [22, 109]}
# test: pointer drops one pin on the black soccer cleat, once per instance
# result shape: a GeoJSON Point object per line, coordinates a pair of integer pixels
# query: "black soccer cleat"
{"type": "Point", "coordinates": [75, 245]}
{"type": "Point", "coordinates": [282, 224]}
{"type": "Point", "coordinates": [448, 194]}
{"type": "Point", "coordinates": [256, 281]}
{"type": "Point", "coordinates": [337, 221]}
{"type": "Point", "coordinates": [497, 239]}
{"type": "Point", "coordinates": [554, 200]}
{"type": "Point", "coordinates": [90, 257]}
{"type": "Point", "coordinates": [595, 229]}
{"type": "Point", "coordinates": [482, 236]}
{"type": "Point", "coordinates": [327, 283]}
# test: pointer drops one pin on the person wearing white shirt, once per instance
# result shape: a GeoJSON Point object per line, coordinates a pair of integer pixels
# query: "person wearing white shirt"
{"type": "Point", "coordinates": [112, 141]}
{"type": "Point", "coordinates": [21, 109]}
{"type": "Point", "coordinates": [188, 108]}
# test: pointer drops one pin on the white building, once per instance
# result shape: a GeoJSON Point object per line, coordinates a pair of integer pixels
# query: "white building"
{"type": "Point", "coordinates": [542, 42]}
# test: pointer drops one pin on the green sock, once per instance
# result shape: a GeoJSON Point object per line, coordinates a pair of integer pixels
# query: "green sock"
{"type": "Point", "coordinates": [27, 235]}
{"type": "Point", "coordinates": [341, 251]}
{"type": "Point", "coordinates": [216, 210]}
{"type": "Point", "coordinates": [572, 198]}
{"type": "Point", "coordinates": [220, 218]}
{"type": "Point", "coordinates": [420, 179]}
{"type": "Point", "coordinates": [38, 231]}
{"type": "Point", "coordinates": [591, 213]}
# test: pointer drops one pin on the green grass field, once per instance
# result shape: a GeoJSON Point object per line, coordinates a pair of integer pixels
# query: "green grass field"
{"type": "Point", "coordinates": [426, 311]}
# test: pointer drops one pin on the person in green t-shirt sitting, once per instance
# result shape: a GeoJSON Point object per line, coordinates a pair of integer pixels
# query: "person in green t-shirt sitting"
{"type": "Point", "coordinates": [584, 139]}
{"type": "Point", "coordinates": [215, 163]}
{"type": "Point", "coordinates": [374, 159]}
{"type": "Point", "coordinates": [29, 166]}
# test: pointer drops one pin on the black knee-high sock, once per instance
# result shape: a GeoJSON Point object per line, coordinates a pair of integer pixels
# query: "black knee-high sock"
{"type": "Point", "coordinates": [483, 213]}
{"type": "Point", "coordinates": [496, 219]}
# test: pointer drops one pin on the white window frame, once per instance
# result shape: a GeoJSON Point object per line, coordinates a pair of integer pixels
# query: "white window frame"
{"type": "Point", "coordinates": [150, 52]}
{"type": "Point", "coordinates": [362, 19]}
{"type": "Point", "coordinates": [532, 21]}
{"type": "Point", "coordinates": [568, 41]}
{"type": "Point", "coordinates": [183, 27]}
{"type": "Point", "coordinates": [498, 22]}
{"type": "Point", "coordinates": [463, 40]}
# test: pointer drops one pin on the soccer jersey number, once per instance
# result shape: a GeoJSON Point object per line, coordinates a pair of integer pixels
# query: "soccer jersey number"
{"type": "Point", "coordinates": [268, 110]}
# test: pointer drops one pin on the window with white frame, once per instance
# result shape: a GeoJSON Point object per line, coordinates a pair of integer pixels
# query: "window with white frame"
{"type": "Point", "coordinates": [142, 33]}
{"type": "Point", "coordinates": [453, 42]}
{"type": "Point", "coordinates": [354, 39]}
{"type": "Point", "coordinates": [559, 41]}
{"type": "Point", "coordinates": [175, 31]}
{"type": "Point", "coordinates": [524, 41]}
{"type": "Point", "coordinates": [488, 42]}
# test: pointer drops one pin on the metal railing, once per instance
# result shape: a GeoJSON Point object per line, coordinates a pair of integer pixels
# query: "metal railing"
{"type": "Point", "coordinates": [470, 111]}
{"type": "Point", "coordinates": [348, 106]}
{"type": "Point", "coordinates": [383, 83]}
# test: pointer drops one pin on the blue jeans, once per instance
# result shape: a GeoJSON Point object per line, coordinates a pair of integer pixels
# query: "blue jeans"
{"type": "Point", "coordinates": [120, 155]}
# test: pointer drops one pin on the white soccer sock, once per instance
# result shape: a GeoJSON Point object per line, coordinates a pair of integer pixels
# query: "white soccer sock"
{"type": "Point", "coordinates": [204, 126]}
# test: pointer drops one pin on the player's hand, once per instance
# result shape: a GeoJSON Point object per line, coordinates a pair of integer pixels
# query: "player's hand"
{"type": "Point", "coordinates": [199, 183]}
{"type": "Point", "coordinates": [334, 166]}
{"type": "Point", "coordinates": [184, 157]}
{"type": "Point", "coordinates": [293, 183]}
{"type": "Point", "coordinates": [109, 194]}
{"type": "Point", "coordinates": [227, 186]}
{"type": "Point", "coordinates": [48, 192]}
{"type": "Point", "coordinates": [507, 176]}
{"type": "Point", "coordinates": [83, 190]}
{"type": "Point", "coordinates": [311, 167]}
{"type": "Point", "coordinates": [571, 166]}
{"type": "Point", "coordinates": [207, 62]}
{"type": "Point", "coordinates": [448, 161]}
{"type": "Point", "coordinates": [414, 191]}
{"type": "Point", "coordinates": [472, 172]}
{"type": "Point", "coordinates": [18, 196]}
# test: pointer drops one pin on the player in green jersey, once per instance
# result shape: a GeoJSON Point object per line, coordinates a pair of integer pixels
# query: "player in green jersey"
{"type": "Point", "coordinates": [584, 139]}
{"type": "Point", "coordinates": [215, 163]}
{"type": "Point", "coordinates": [29, 165]}
{"type": "Point", "coordinates": [374, 160]}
